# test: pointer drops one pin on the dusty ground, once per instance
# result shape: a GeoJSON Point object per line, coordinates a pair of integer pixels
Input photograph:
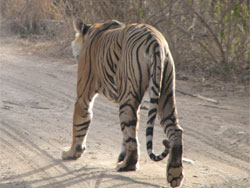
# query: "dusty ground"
{"type": "Point", "coordinates": [36, 106]}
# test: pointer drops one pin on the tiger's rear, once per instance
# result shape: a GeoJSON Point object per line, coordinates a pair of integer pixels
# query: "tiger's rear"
{"type": "Point", "coordinates": [123, 62]}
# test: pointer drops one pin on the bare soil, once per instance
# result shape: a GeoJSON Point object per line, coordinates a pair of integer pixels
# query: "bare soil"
{"type": "Point", "coordinates": [36, 107]}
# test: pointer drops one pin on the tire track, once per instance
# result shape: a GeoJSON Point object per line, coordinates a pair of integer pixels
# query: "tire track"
{"type": "Point", "coordinates": [82, 177]}
{"type": "Point", "coordinates": [47, 94]}
{"type": "Point", "coordinates": [240, 160]}
{"type": "Point", "coordinates": [36, 78]}
{"type": "Point", "coordinates": [220, 144]}
{"type": "Point", "coordinates": [15, 139]}
{"type": "Point", "coordinates": [236, 162]}
{"type": "Point", "coordinates": [22, 157]}
{"type": "Point", "coordinates": [19, 138]}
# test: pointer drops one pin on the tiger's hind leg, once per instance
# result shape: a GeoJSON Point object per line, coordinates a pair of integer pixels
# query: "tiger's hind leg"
{"type": "Point", "coordinates": [173, 131]}
{"type": "Point", "coordinates": [128, 158]}
{"type": "Point", "coordinates": [81, 122]}
{"type": "Point", "coordinates": [169, 122]}
{"type": "Point", "coordinates": [174, 167]}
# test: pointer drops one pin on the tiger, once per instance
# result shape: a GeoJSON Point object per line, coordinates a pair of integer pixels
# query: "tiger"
{"type": "Point", "coordinates": [121, 62]}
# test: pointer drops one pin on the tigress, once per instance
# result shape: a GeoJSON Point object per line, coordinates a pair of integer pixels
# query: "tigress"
{"type": "Point", "coordinates": [121, 62]}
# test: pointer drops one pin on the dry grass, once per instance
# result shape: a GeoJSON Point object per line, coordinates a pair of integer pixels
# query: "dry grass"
{"type": "Point", "coordinates": [195, 44]}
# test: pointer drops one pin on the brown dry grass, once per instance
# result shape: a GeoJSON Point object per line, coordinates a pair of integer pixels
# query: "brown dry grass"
{"type": "Point", "coordinates": [195, 44]}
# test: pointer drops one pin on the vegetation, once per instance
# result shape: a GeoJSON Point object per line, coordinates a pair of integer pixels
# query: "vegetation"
{"type": "Point", "coordinates": [206, 37]}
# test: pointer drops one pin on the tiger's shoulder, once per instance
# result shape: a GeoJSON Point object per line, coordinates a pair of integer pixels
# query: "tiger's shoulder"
{"type": "Point", "coordinates": [108, 25]}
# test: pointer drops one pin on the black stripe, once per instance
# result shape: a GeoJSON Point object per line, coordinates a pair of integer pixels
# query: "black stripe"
{"type": "Point", "coordinates": [156, 84]}
{"type": "Point", "coordinates": [130, 139]}
{"type": "Point", "coordinates": [118, 45]}
{"type": "Point", "coordinates": [167, 99]}
{"type": "Point", "coordinates": [139, 68]}
{"type": "Point", "coordinates": [141, 36]}
{"type": "Point", "coordinates": [150, 121]}
{"type": "Point", "coordinates": [132, 36]}
{"type": "Point", "coordinates": [135, 95]}
{"type": "Point", "coordinates": [149, 145]}
{"type": "Point", "coordinates": [172, 134]}
{"type": "Point", "coordinates": [84, 128]}
{"type": "Point", "coordinates": [110, 57]}
{"type": "Point", "coordinates": [169, 84]}
{"type": "Point", "coordinates": [79, 81]}
{"type": "Point", "coordinates": [156, 54]}
{"type": "Point", "coordinates": [85, 115]}
{"type": "Point", "coordinates": [78, 136]}
{"type": "Point", "coordinates": [148, 38]}
{"type": "Point", "coordinates": [82, 124]}
{"type": "Point", "coordinates": [155, 92]}
{"type": "Point", "coordinates": [169, 79]}
{"type": "Point", "coordinates": [111, 80]}
{"type": "Point", "coordinates": [132, 69]}
{"type": "Point", "coordinates": [164, 154]}
{"type": "Point", "coordinates": [110, 62]}
{"type": "Point", "coordinates": [156, 46]}
{"type": "Point", "coordinates": [128, 124]}
{"type": "Point", "coordinates": [130, 106]}
{"type": "Point", "coordinates": [116, 56]}
{"type": "Point", "coordinates": [109, 26]}
{"type": "Point", "coordinates": [153, 100]}
{"type": "Point", "coordinates": [147, 50]}
{"type": "Point", "coordinates": [152, 156]}
{"type": "Point", "coordinates": [164, 75]}
{"type": "Point", "coordinates": [123, 87]}
{"type": "Point", "coordinates": [167, 126]}
{"type": "Point", "coordinates": [150, 131]}
{"type": "Point", "coordinates": [169, 117]}
{"type": "Point", "coordinates": [152, 111]}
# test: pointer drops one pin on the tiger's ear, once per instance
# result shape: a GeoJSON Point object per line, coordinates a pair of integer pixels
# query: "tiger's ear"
{"type": "Point", "coordinates": [79, 26]}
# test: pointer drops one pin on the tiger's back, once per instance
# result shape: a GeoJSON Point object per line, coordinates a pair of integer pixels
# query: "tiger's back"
{"type": "Point", "coordinates": [122, 62]}
{"type": "Point", "coordinates": [109, 49]}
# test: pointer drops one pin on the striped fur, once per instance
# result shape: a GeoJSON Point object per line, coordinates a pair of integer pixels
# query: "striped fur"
{"type": "Point", "coordinates": [121, 62]}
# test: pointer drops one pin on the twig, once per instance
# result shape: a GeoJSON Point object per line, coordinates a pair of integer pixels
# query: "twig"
{"type": "Point", "coordinates": [6, 107]}
{"type": "Point", "coordinates": [198, 96]}
{"type": "Point", "coordinates": [39, 107]}
{"type": "Point", "coordinates": [13, 103]}
{"type": "Point", "coordinates": [210, 106]}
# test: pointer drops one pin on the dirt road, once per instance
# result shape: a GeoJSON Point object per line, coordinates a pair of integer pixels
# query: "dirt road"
{"type": "Point", "coordinates": [36, 107]}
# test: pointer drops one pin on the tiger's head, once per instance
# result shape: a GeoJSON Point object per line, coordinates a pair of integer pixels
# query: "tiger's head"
{"type": "Point", "coordinates": [81, 29]}
{"type": "Point", "coordinates": [84, 30]}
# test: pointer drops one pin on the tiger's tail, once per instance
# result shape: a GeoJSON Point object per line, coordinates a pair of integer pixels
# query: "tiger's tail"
{"type": "Point", "coordinates": [155, 84]}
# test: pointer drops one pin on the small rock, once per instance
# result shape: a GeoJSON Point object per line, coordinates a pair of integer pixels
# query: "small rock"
{"type": "Point", "coordinates": [241, 132]}
{"type": "Point", "coordinates": [26, 133]}
{"type": "Point", "coordinates": [190, 161]}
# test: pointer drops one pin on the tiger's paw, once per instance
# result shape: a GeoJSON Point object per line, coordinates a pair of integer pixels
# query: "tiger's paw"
{"type": "Point", "coordinates": [127, 161]}
{"type": "Point", "coordinates": [123, 167]}
{"type": "Point", "coordinates": [174, 176]}
{"type": "Point", "coordinates": [72, 154]}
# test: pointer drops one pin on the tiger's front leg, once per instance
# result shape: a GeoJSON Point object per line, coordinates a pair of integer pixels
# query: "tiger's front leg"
{"type": "Point", "coordinates": [81, 122]}
{"type": "Point", "coordinates": [123, 152]}
{"type": "Point", "coordinates": [129, 156]}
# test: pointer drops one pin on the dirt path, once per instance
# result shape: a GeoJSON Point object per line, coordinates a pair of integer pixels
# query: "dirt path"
{"type": "Point", "coordinates": [36, 106]}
